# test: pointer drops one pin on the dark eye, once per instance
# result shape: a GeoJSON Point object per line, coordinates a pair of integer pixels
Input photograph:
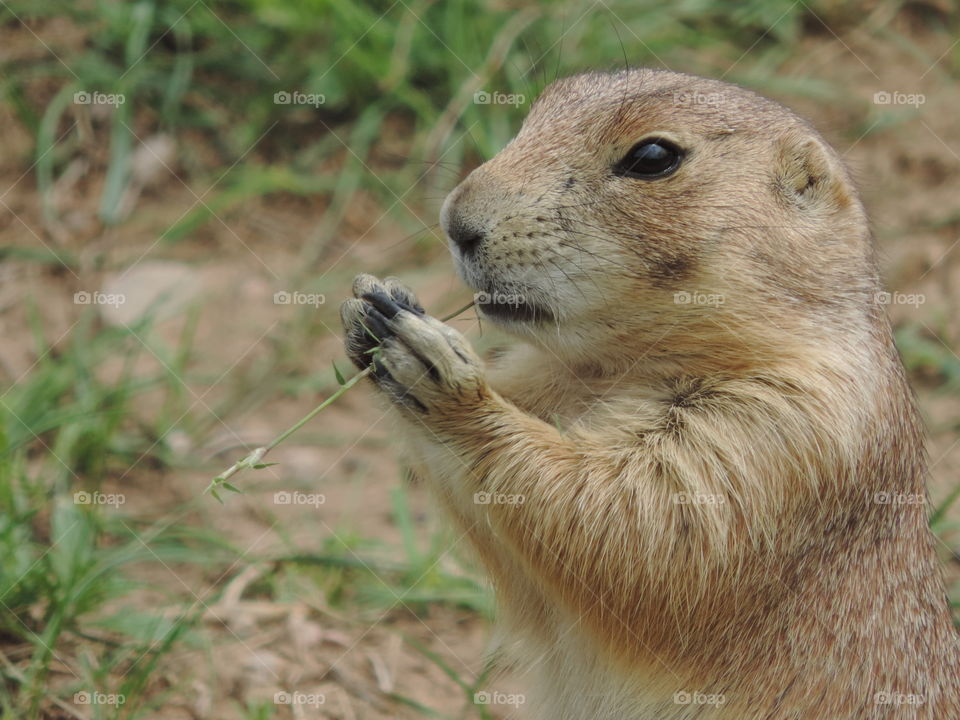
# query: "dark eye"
{"type": "Point", "coordinates": [650, 159]}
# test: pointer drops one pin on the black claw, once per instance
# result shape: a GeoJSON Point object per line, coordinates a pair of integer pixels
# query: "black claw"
{"type": "Point", "coordinates": [383, 302]}
{"type": "Point", "coordinates": [412, 306]}
{"type": "Point", "coordinates": [357, 356]}
{"type": "Point", "coordinates": [380, 370]}
{"type": "Point", "coordinates": [376, 325]}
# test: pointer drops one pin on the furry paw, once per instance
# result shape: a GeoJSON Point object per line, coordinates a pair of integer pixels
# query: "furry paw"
{"type": "Point", "coordinates": [419, 362]}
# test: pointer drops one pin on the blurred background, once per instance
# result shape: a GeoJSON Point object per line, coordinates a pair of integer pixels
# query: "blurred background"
{"type": "Point", "coordinates": [187, 189]}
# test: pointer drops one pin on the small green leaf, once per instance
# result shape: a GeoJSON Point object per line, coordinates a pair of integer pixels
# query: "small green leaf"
{"type": "Point", "coordinates": [216, 496]}
{"type": "Point", "coordinates": [338, 374]}
{"type": "Point", "coordinates": [231, 488]}
{"type": "Point", "coordinates": [261, 466]}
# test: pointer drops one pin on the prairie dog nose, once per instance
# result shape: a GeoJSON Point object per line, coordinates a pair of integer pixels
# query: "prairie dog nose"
{"type": "Point", "coordinates": [465, 234]}
{"type": "Point", "coordinates": [466, 237]}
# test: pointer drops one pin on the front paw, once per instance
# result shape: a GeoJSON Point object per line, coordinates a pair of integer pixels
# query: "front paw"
{"type": "Point", "coordinates": [418, 361]}
{"type": "Point", "coordinates": [365, 331]}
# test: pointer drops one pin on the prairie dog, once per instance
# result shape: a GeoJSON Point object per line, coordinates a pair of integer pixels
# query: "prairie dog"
{"type": "Point", "coordinates": [719, 458]}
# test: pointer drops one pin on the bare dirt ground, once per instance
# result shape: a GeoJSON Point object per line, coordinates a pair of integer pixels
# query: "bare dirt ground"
{"type": "Point", "coordinates": [909, 173]}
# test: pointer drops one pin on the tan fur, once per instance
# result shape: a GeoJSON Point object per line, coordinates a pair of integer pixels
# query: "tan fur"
{"type": "Point", "coordinates": [788, 589]}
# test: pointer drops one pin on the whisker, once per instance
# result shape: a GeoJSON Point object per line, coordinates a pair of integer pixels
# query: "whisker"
{"type": "Point", "coordinates": [594, 255]}
{"type": "Point", "coordinates": [567, 275]}
{"type": "Point", "coordinates": [615, 240]}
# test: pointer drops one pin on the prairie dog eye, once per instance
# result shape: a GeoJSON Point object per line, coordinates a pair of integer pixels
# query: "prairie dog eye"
{"type": "Point", "coordinates": [650, 159]}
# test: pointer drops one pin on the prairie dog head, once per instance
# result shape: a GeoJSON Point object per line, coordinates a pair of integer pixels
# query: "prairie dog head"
{"type": "Point", "coordinates": [646, 203]}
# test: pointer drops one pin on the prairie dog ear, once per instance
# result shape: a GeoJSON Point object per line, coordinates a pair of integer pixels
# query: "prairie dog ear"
{"type": "Point", "coordinates": [809, 175]}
